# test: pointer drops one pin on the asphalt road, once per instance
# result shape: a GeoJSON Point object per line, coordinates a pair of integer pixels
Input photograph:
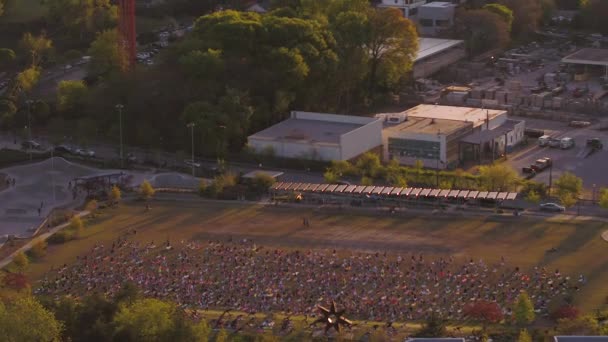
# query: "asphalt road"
{"type": "Point", "coordinates": [591, 169]}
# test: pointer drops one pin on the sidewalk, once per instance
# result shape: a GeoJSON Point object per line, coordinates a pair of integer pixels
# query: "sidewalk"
{"type": "Point", "coordinates": [35, 240]}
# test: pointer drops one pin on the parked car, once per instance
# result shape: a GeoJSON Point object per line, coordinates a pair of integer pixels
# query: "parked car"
{"type": "Point", "coordinates": [579, 124]}
{"type": "Point", "coordinates": [192, 163]}
{"type": "Point", "coordinates": [579, 92]}
{"type": "Point", "coordinates": [85, 153]}
{"type": "Point", "coordinates": [553, 207]}
{"type": "Point", "coordinates": [64, 149]}
{"type": "Point", "coordinates": [131, 158]}
{"type": "Point", "coordinates": [31, 145]}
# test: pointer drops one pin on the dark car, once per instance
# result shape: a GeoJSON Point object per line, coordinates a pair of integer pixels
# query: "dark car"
{"type": "Point", "coordinates": [553, 207]}
{"type": "Point", "coordinates": [63, 149]}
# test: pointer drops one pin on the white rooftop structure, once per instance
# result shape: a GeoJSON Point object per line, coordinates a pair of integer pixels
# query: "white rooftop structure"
{"type": "Point", "coordinates": [428, 47]}
{"type": "Point", "coordinates": [477, 116]}
{"type": "Point", "coordinates": [588, 56]}
{"type": "Point", "coordinates": [319, 136]}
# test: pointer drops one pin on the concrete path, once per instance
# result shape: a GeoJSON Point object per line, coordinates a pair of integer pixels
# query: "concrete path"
{"type": "Point", "coordinates": [41, 237]}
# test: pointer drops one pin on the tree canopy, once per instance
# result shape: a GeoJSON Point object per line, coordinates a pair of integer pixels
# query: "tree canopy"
{"type": "Point", "coordinates": [503, 11]}
{"type": "Point", "coordinates": [523, 312]}
{"type": "Point", "coordinates": [107, 54]}
{"type": "Point", "coordinates": [482, 30]}
{"type": "Point", "coordinates": [25, 319]}
{"type": "Point", "coordinates": [498, 177]}
{"type": "Point", "coordinates": [71, 97]}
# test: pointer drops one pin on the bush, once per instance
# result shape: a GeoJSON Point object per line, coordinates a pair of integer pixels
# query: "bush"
{"type": "Point", "coordinates": [146, 191]}
{"type": "Point", "coordinates": [76, 226]}
{"type": "Point", "coordinates": [262, 182]}
{"type": "Point", "coordinates": [566, 311]}
{"type": "Point", "coordinates": [60, 237]}
{"type": "Point", "coordinates": [38, 250]}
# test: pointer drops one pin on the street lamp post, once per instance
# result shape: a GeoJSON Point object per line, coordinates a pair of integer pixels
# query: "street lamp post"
{"type": "Point", "coordinates": [53, 175]}
{"type": "Point", "coordinates": [438, 156]}
{"type": "Point", "coordinates": [29, 124]}
{"type": "Point", "coordinates": [191, 126]}
{"type": "Point", "coordinates": [120, 107]}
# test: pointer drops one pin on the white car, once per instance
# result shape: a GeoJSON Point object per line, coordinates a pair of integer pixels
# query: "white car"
{"type": "Point", "coordinates": [85, 153]}
{"type": "Point", "coordinates": [192, 163]}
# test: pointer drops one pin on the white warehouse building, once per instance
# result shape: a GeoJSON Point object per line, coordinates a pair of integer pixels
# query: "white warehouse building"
{"type": "Point", "coordinates": [319, 136]}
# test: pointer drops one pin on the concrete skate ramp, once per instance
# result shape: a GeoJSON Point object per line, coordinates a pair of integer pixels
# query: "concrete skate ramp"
{"type": "Point", "coordinates": [34, 185]}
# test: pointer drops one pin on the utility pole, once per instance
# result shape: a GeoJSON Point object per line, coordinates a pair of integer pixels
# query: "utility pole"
{"type": "Point", "coordinates": [550, 177]}
{"type": "Point", "coordinates": [438, 156]}
{"type": "Point", "coordinates": [29, 124]}
{"type": "Point", "coordinates": [120, 107]}
{"type": "Point", "coordinates": [53, 176]}
{"type": "Point", "coordinates": [191, 126]}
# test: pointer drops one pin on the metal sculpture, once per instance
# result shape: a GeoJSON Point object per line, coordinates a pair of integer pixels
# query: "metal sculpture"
{"type": "Point", "coordinates": [332, 318]}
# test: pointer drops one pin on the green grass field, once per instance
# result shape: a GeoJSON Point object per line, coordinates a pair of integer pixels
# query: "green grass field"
{"type": "Point", "coordinates": [522, 241]}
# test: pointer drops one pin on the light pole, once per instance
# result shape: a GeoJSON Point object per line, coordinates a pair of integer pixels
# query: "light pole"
{"type": "Point", "coordinates": [191, 126]}
{"type": "Point", "coordinates": [438, 156]}
{"type": "Point", "coordinates": [120, 107]}
{"type": "Point", "coordinates": [29, 124]}
{"type": "Point", "coordinates": [53, 175]}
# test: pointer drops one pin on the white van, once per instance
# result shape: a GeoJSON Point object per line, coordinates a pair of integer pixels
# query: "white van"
{"type": "Point", "coordinates": [544, 140]}
{"type": "Point", "coordinates": [566, 143]}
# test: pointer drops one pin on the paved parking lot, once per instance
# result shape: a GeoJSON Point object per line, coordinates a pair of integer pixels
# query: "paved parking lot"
{"type": "Point", "coordinates": [593, 169]}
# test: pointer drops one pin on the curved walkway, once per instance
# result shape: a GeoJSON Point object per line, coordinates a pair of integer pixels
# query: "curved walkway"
{"type": "Point", "coordinates": [35, 240]}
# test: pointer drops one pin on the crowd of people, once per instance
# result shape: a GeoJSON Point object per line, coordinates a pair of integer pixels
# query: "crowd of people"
{"type": "Point", "coordinates": [246, 277]}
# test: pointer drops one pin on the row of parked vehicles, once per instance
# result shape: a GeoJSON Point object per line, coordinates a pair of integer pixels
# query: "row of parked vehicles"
{"type": "Point", "coordinates": [60, 149]}
{"type": "Point", "coordinates": [563, 143]}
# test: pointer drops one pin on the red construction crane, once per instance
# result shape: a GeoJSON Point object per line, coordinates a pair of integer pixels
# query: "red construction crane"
{"type": "Point", "coordinates": [126, 27]}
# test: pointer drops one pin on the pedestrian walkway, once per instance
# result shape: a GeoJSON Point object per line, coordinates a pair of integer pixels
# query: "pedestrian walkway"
{"type": "Point", "coordinates": [39, 238]}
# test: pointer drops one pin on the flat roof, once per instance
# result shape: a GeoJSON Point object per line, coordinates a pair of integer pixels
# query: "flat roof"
{"type": "Point", "coordinates": [439, 4]}
{"type": "Point", "coordinates": [428, 47]}
{"type": "Point", "coordinates": [273, 174]}
{"type": "Point", "coordinates": [427, 126]}
{"type": "Point", "coordinates": [312, 131]}
{"type": "Point", "coordinates": [467, 114]}
{"type": "Point", "coordinates": [588, 56]}
{"type": "Point", "coordinates": [489, 134]}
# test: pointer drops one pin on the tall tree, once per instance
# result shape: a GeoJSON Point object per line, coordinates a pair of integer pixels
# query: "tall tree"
{"type": "Point", "coordinates": [568, 184]}
{"type": "Point", "coordinates": [523, 311]}
{"type": "Point", "coordinates": [71, 97]}
{"type": "Point", "coordinates": [107, 53]}
{"type": "Point", "coordinates": [482, 30]}
{"type": "Point", "coordinates": [392, 46]}
{"type": "Point", "coordinates": [83, 17]}
{"type": "Point", "coordinates": [527, 15]}
{"type": "Point", "coordinates": [35, 46]}
{"type": "Point", "coordinates": [503, 11]}
{"type": "Point", "coordinates": [594, 15]}
{"type": "Point", "coordinates": [26, 319]}
{"type": "Point", "coordinates": [28, 79]}
{"type": "Point", "coordinates": [145, 320]}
